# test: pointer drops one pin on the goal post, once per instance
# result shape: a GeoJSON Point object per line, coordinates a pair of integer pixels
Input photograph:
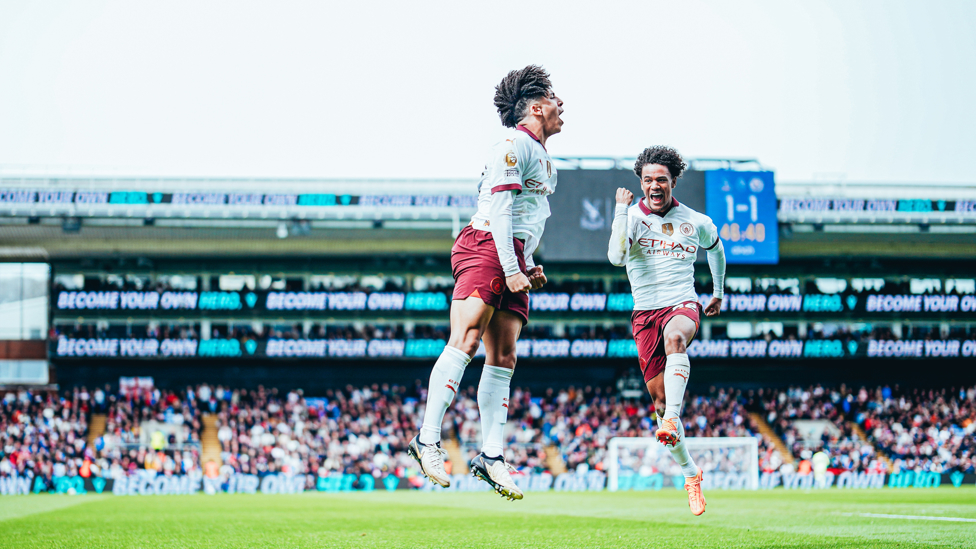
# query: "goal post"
{"type": "Point", "coordinates": [728, 462]}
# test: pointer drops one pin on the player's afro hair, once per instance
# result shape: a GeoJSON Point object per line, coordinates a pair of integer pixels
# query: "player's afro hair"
{"type": "Point", "coordinates": [517, 90]}
{"type": "Point", "coordinates": [665, 156]}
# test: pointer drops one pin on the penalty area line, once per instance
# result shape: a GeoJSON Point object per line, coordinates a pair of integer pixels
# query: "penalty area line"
{"type": "Point", "coordinates": [909, 517]}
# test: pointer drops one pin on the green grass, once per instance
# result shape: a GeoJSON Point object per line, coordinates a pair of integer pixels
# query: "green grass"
{"type": "Point", "coordinates": [416, 519]}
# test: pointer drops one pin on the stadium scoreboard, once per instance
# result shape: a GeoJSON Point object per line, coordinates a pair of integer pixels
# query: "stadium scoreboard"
{"type": "Point", "coordinates": [743, 207]}
{"type": "Point", "coordinates": [741, 203]}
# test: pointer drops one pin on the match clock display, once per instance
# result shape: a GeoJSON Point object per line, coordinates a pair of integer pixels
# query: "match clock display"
{"type": "Point", "coordinates": [743, 207]}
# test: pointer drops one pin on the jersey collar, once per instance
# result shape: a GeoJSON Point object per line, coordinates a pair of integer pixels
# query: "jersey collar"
{"type": "Point", "coordinates": [647, 211]}
{"type": "Point", "coordinates": [532, 135]}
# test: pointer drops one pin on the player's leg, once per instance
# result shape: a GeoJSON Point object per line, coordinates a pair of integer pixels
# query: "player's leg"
{"type": "Point", "coordinates": [678, 333]}
{"type": "Point", "coordinates": [655, 387]}
{"type": "Point", "coordinates": [493, 394]}
{"type": "Point", "coordinates": [469, 319]}
{"type": "Point", "coordinates": [493, 390]}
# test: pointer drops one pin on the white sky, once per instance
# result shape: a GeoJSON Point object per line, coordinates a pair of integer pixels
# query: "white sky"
{"type": "Point", "coordinates": [862, 91]}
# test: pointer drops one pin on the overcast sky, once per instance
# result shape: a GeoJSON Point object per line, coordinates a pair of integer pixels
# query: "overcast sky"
{"type": "Point", "coordinates": [861, 91]}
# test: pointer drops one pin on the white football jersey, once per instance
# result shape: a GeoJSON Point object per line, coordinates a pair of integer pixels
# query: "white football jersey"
{"type": "Point", "coordinates": [662, 251]}
{"type": "Point", "coordinates": [519, 163]}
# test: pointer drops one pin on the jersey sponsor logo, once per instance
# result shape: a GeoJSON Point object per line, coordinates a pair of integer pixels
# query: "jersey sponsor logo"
{"type": "Point", "coordinates": [657, 246]}
{"type": "Point", "coordinates": [510, 159]}
{"type": "Point", "coordinates": [667, 229]}
{"type": "Point", "coordinates": [531, 186]}
{"type": "Point", "coordinates": [687, 229]}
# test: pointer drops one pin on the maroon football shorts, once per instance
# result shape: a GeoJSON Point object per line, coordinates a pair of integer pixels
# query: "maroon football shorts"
{"type": "Point", "coordinates": [649, 334]}
{"type": "Point", "coordinates": [478, 272]}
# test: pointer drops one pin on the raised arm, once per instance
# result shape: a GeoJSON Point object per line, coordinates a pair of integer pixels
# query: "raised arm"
{"type": "Point", "coordinates": [619, 233]}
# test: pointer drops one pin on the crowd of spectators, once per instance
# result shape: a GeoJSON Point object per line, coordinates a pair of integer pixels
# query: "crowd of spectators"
{"type": "Point", "coordinates": [885, 429]}
{"type": "Point", "coordinates": [578, 423]}
{"type": "Point", "coordinates": [922, 429]}
{"type": "Point", "coordinates": [160, 330]}
{"type": "Point", "coordinates": [365, 430]}
{"type": "Point", "coordinates": [44, 434]}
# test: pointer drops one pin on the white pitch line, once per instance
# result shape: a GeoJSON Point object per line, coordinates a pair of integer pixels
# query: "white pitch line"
{"type": "Point", "coordinates": [909, 517]}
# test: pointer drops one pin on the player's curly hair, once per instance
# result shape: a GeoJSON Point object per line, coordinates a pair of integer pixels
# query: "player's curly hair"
{"type": "Point", "coordinates": [665, 156]}
{"type": "Point", "coordinates": [517, 90]}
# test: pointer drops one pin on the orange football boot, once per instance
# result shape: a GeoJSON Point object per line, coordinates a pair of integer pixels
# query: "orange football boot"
{"type": "Point", "coordinates": [668, 434]}
{"type": "Point", "coordinates": [695, 498]}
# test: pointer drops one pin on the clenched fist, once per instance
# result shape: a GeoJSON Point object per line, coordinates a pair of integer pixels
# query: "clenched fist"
{"type": "Point", "coordinates": [624, 196]}
{"type": "Point", "coordinates": [518, 282]}
{"type": "Point", "coordinates": [536, 277]}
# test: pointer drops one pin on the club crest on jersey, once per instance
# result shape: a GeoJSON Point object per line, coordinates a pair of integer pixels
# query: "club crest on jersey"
{"type": "Point", "coordinates": [686, 229]}
{"type": "Point", "coordinates": [510, 159]}
{"type": "Point", "coordinates": [667, 229]}
{"type": "Point", "coordinates": [496, 285]}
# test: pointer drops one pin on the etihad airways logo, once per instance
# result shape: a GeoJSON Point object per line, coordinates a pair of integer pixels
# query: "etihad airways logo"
{"type": "Point", "coordinates": [657, 246]}
{"type": "Point", "coordinates": [531, 186]}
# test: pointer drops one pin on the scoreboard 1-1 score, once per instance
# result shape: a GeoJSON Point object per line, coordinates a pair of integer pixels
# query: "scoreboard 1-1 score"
{"type": "Point", "coordinates": [743, 207]}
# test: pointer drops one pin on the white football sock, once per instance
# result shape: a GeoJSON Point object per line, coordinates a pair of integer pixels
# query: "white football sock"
{"type": "Point", "coordinates": [681, 456]}
{"type": "Point", "coordinates": [493, 393]}
{"type": "Point", "coordinates": [677, 369]}
{"type": "Point", "coordinates": [444, 381]}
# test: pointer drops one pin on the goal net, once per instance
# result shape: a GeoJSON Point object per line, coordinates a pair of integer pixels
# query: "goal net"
{"type": "Point", "coordinates": [640, 463]}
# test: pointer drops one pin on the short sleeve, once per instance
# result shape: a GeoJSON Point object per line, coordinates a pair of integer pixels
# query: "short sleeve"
{"type": "Point", "coordinates": [707, 235]}
{"type": "Point", "coordinates": [505, 173]}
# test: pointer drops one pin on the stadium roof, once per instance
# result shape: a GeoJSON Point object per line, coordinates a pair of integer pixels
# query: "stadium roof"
{"type": "Point", "coordinates": [125, 216]}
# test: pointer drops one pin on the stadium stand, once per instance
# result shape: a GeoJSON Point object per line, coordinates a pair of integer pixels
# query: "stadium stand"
{"type": "Point", "coordinates": [364, 430]}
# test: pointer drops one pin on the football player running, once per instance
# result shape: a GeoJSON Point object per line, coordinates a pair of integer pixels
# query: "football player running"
{"type": "Point", "coordinates": [658, 240]}
{"type": "Point", "coordinates": [493, 271]}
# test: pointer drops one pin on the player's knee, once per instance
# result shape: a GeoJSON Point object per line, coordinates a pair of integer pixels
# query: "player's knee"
{"type": "Point", "coordinates": [507, 360]}
{"type": "Point", "coordinates": [674, 343]}
{"type": "Point", "coordinates": [467, 341]}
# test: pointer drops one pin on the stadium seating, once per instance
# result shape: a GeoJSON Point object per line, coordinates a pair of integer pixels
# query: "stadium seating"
{"type": "Point", "coordinates": [365, 429]}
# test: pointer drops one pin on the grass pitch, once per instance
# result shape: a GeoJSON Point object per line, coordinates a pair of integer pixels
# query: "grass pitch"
{"type": "Point", "coordinates": [416, 519]}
